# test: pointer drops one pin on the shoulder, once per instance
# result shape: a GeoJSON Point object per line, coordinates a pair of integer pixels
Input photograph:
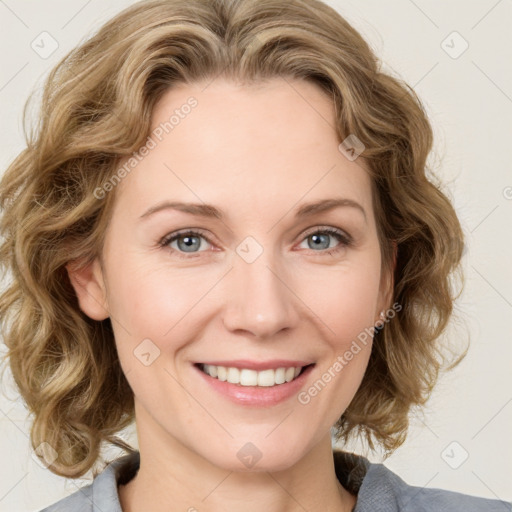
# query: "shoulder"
{"type": "Point", "coordinates": [81, 501]}
{"type": "Point", "coordinates": [378, 488]}
{"type": "Point", "coordinates": [102, 493]}
{"type": "Point", "coordinates": [382, 486]}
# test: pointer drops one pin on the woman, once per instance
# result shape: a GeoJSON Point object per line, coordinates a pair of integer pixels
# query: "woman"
{"type": "Point", "coordinates": [223, 230]}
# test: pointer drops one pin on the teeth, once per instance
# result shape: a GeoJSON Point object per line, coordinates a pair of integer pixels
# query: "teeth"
{"type": "Point", "coordinates": [222, 372]}
{"type": "Point", "coordinates": [246, 377]}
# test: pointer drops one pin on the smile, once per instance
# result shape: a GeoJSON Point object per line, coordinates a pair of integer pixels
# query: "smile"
{"type": "Point", "coordinates": [249, 377]}
{"type": "Point", "coordinates": [255, 383]}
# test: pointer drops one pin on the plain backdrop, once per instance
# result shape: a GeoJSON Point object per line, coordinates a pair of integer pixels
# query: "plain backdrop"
{"type": "Point", "coordinates": [457, 56]}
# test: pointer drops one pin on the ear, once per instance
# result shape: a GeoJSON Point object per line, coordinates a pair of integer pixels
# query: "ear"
{"type": "Point", "coordinates": [387, 284]}
{"type": "Point", "coordinates": [89, 285]}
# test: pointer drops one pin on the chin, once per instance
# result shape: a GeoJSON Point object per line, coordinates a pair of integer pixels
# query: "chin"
{"type": "Point", "coordinates": [254, 457]}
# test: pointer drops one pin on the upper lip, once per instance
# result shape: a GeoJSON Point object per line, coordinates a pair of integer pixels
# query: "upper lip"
{"type": "Point", "coordinates": [259, 365]}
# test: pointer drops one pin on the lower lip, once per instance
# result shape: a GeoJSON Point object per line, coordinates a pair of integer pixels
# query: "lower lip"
{"type": "Point", "coordinates": [256, 395]}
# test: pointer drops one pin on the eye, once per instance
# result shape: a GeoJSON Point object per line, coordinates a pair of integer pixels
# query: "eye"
{"type": "Point", "coordinates": [320, 239]}
{"type": "Point", "coordinates": [188, 242]}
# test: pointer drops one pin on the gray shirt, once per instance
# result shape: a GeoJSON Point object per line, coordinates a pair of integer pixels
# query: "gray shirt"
{"type": "Point", "coordinates": [378, 489]}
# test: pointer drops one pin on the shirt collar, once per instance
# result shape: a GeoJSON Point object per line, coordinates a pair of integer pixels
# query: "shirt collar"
{"type": "Point", "coordinates": [374, 484]}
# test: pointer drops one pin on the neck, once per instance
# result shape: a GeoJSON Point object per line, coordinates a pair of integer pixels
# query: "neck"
{"type": "Point", "coordinates": [172, 477]}
{"type": "Point", "coordinates": [175, 483]}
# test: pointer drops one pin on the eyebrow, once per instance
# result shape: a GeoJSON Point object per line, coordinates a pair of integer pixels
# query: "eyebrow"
{"type": "Point", "coordinates": [210, 211]}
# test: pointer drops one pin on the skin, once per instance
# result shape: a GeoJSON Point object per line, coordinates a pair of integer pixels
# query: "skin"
{"type": "Point", "coordinates": [294, 301]}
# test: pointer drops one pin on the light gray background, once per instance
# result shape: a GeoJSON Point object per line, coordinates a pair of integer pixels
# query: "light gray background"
{"type": "Point", "coordinates": [469, 100]}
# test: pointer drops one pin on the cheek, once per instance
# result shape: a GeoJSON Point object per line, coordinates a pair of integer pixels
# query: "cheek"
{"type": "Point", "coordinates": [343, 299]}
{"type": "Point", "coordinates": [159, 303]}
{"type": "Point", "coordinates": [155, 320]}
{"type": "Point", "coordinates": [347, 309]}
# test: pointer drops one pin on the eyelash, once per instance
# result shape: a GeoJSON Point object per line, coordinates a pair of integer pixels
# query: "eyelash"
{"type": "Point", "coordinates": [344, 239]}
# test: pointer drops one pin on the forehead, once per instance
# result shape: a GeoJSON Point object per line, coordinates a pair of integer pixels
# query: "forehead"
{"type": "Point", "coordinates": [271, 144]}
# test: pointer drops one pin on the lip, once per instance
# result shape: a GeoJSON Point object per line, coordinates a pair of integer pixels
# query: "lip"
{"type": "Point", "coordinates": [259, 366]}
{"type": "Point", "coordinates": [254, 395]}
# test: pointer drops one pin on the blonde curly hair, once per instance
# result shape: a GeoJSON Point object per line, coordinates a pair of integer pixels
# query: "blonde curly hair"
{"type": "Point", "coordinates": [96, 110]}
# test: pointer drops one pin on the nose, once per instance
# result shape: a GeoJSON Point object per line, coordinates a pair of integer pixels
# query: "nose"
{"type": "Point", "coordinates": [260, 299]}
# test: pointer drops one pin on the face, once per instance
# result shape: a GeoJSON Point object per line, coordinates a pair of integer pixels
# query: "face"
{"type": "Point", "coordinates": [251, 284]}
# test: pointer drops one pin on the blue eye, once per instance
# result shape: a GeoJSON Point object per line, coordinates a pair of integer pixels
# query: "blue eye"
{"type": "Point", "coordinates": [320, 237]}
{"type": "Point", "coordinates": [189, 242]}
